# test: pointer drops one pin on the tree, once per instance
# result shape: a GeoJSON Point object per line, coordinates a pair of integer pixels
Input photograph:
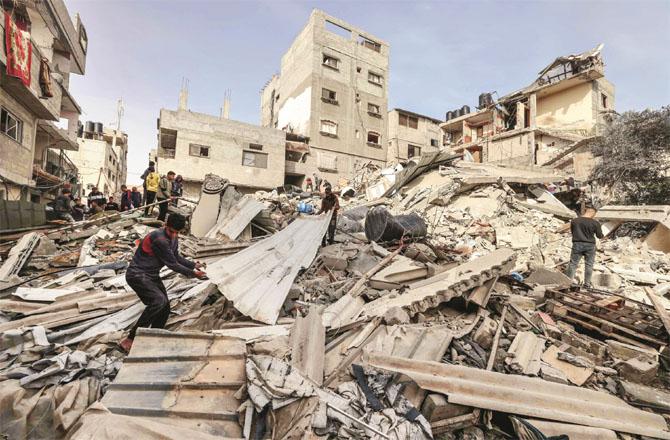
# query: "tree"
{"type": "Point", "coordinates": [633, 158]}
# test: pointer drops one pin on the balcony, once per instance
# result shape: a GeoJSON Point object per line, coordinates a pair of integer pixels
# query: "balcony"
{"type": "Point", "coordinates": [30, 97]}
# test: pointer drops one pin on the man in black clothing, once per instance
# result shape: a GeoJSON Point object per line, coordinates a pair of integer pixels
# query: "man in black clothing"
{"type": "Point", "coordinates": [63, 207]}
{"type": "Point", "coordinates": [157, 249]}
{"type": "Point", "coordinates": [111, 205]}
{"type": "Point", "coordinates": [330, 201]}
{"type": "Point", "coordinates": [78, 210]}
{"type": "Point", "coordinates": [97, 197]}
{"type": "Point", "coordinates": [584, 230]}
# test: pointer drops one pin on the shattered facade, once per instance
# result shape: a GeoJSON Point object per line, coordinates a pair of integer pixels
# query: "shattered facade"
{"type": "Point", "coordinates": [546, 123]}
{"type": "Point", "coordinates": [332, 88]}
{"type": "Point", "coordinates": [411, 135]}
{"type": "Point", "coordinates": [33, 143]}
{"type": "Point", "coordinates": [102, 160]}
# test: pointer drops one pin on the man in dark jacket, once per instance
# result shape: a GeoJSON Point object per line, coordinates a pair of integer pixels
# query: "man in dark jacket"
{"type": "Point", "coordinates": [126, 199]}
{"type": "Point", "coordinates": [63, 205]}
{"type": "Point", "coordinates": [330, 201]}
{"type": "Point", "coordinates": [157, 249]}
{"type": "Point", "coordinates": [584, 230]}
{"type": "Point", "coordinates": [97, 197]}
{"type": "Point", "coordinates": [111, 205]}
{"type": "Point", "coordinates": [78, 210]}
{"type": "Point", "coordinates": [136, 197]}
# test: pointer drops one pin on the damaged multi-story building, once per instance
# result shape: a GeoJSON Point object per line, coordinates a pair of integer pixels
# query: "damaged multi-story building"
{"type": "Point", "coordinates": [550, 122]}
{"type": "Point", "coordinates": [38, 115]}
{"type": "Point", "coordinates": [331, 94]}
{"type": "Point", "coordinates": [411, 134]}
{"type": "Point", "coordinates": [194, 144]}
{"type": "Point", "coordinates": [102, 158]}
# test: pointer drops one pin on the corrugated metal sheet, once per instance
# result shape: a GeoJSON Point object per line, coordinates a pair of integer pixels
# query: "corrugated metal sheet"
{"type": "Point", "coordinates": [186, 377]}
{"type": "Point", "coordinates": [526, 396]}
{"type": "Point", "coordinates": [237, 218]}
{"type": "Point", "coordinates": [258, 278]}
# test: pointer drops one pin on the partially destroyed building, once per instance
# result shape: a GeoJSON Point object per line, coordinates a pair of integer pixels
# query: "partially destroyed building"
{"type": "Point", "coordinates": [194, 144]}
{"type": "Point", "coordinates": [102, 158]}
{"type": "Point", "coordinates": [44, 46]}
{"type": "Point", "coordinates": [411, 134]}
{"type": "Point", "coordinates": [332, 90]}
{"type": "Point", "coordinates": [543, 124]}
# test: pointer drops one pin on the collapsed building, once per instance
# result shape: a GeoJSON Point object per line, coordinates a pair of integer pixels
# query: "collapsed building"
{"type": "Point", "coordinates": [549, 122]}
{"type": "Point", "coordinates": [441, 311]}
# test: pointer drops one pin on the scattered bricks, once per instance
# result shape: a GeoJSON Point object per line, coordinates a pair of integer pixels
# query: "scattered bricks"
{"type": "Point", "coordinates": [485, 332]}
{"type": "Point", "coordinates": [638, 370]}
{"type": "Point", "coordinates": [396, 315]}
{"type": "Point", "coordinates": [435, 407]}
{"type": "Point", "coordinates": [623, 351]}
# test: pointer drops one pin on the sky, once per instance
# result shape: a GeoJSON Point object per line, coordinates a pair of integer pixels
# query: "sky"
{"type": "Point", "coordinates": [443, 54]}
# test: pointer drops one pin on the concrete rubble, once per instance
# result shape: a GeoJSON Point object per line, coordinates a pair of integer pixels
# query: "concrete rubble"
{"type": "Point", "coordinates": [459, 324]}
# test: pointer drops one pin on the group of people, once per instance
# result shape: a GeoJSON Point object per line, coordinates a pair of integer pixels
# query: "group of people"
{"type": "Point", "coordinates": [156, 188]}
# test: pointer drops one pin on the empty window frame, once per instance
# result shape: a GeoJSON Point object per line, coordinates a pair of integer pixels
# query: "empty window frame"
{"type": "Point", "coordinates": [253, 159]}
{"type": "Point", "coordinates": [408, 121]}
{"type": "Point", "coordinates": [413, 151]}
{"type": "Point", "coordinates": [374, 139]}
{"type": "Point", "coordinates": [338, 30]}
{"type": "Point", "coordinates": [328, 96]}
{"type": "Point", "coordinates": [328, 128]}
{"type": "Point", "coordinates": [375, 78]}
{"type": "Point", "coordinates": [374, 109]}
{"type": "Point", "coordinates": [434, 143]}
{"type": "Point", "coordinates": [603, 100]}
{"type": "Point", "coordinates": [366, 42]}
{"type": "Point", "coordinates": [10, 125]}
{"type": "Point", "coordinates": [331, 62]}
{"type": "Point", "coordinates": [257, 147]}
{"type": "Point", "coordinates": [198, 150]}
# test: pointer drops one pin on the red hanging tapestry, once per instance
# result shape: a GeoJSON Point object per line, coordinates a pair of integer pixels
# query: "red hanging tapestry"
{"type": "Point", "coordinates": [19, 50]}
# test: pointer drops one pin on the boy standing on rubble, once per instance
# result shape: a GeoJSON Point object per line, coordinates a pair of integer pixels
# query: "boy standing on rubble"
{"type": "Point", "coordinates": [330, 201]}
{"type": "Point", "coordinates": [584, 230]}
{"type": "Point", "coordinates": [157, 249]}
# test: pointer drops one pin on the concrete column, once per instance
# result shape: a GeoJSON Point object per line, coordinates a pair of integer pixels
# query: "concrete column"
{"type": "Point", "coordinates": [520, 115]}
{"type": "Point", "coordinates": [532, 102]}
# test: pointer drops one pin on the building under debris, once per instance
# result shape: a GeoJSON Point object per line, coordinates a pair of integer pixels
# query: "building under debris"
{"type": "Point", "coordinates": [545, 123]}
{"type": "Point", "coordinates": [331, 89]}
{"type": "Point", "coordinates": [47, 46]}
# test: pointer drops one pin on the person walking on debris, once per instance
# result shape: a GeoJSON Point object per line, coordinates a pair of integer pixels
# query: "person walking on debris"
{"type": "Point", "coordinates": [151, 188]}
{"type": "Point", "coordinates": [164, 193]}
{"type": "Point", "coordinates": [330, 201]}
{"type": "Point", "coordinates": [157, 249]}
{"type": "Point", "coordinates": [63, 207]}
{"type": "Point", "coordinates": [144, 175]}
{"type": "Point", "coordinates": [584, 230]}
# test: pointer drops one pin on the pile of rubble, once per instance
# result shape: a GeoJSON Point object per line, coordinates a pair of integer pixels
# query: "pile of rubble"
{"type": "Point", "coordinates": [440, 312]}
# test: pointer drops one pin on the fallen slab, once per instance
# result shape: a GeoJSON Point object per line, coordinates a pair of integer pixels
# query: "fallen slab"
{"type": "Point", "coordinates": [18, 255]}
{"type": "Point", "coordinates": [258, 278]}
{"type": "Point", "coordinates": [525, 396]}
{"type": "Point", "coordinates": [631, 213]}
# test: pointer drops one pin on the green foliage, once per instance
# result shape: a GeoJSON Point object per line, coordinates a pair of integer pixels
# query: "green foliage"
{"type": "Point", "coordinates": [634, 157]}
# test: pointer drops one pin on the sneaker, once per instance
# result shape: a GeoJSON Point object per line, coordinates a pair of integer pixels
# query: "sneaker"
{"type": "Point", "coordinates": [126, 344]}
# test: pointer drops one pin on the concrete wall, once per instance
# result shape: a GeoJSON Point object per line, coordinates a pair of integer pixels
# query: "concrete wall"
{"type": "Point", "coordinates": [227, 140]}
{"type": "Point", "coordinates": [509, 148]}
{"type": "Point", "coordinates": [16, 159]}
{"type": "Point", "coordinates": [400, 137]}
{"type": "Point", "coordinates": [570, 108]}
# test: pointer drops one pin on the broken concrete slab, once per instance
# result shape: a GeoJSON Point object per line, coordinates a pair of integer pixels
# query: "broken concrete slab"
{"type": "Point", "coordinates": [659, 238]}
{"type": "Point", "coordinates": [546, 277]}
{"type": "Point", "coordinates": [576, 375]}
{"type": "Point", "coordinates": [18, 255]}
{"type": "Point", "coordinates": [648, 213]}
{"type": "Point", "coordinates": [524, 354]}
{"type": "Point", "coordinates": [642, 395]}
{"type": "Point", "coordinates": [638, 370]}
{"type": "Point", "coordinates": [623, 351]}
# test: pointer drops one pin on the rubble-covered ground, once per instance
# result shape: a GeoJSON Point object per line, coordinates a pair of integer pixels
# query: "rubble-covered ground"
{"type": "Point", "coordinates": [457, 323]}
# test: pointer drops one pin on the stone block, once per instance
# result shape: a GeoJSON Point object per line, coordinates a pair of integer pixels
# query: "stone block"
{"type": "Point", "coordinates": [638, 370]}
{"type": "Point", "coordinates": [623, 351]}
